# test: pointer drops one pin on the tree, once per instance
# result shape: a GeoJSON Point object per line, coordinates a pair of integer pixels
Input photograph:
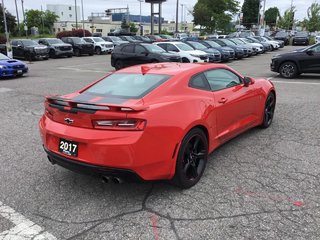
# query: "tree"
{"type": "Point", "coordinates": [214, 14]}
{"type": "Point", "coordinates": [11, 21]}
{"type": "Point", "coordinates": [133, 27]}
{"type": "Point", "coordinates": [271, 15]}
{"type": "Point", "coordinates": [313, 17]}
{"type": "Point", "coordinates": [42, 20]}
{"type": "Point", "coordinates": [287, 21]}
{"type": "Point", "coordinates": [250, 9]}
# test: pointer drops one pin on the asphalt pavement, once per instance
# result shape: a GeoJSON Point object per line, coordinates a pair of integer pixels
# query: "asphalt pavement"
{"type": "Point", "coordinates": [264, 184]}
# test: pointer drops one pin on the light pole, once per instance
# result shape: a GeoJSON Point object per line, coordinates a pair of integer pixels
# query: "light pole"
{"type": "Point", "coordinates": [83, 31]}
{"type": "Point", "coordinates": [75, 9]}
{"type": "Point", "coordinates": [177, 16]}
{"type": "Point", "coordinates": [15, 1]}
{"type": "Point", "coordinates": [24, 19]}
{"type": "Point", "coordinates": [141, 33]}
{"type": "Point", "coordinates": [5, 26]}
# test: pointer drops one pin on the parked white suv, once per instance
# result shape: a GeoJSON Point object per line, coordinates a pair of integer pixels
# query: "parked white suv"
{"type": "Point", "coordinates": [100, 45]}
{"type": "Point", "coordinates": [187, 53]}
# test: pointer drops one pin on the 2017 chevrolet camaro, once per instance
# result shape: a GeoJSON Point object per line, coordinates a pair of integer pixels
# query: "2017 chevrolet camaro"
{"type": "Point", "coordinates": [154, 121]}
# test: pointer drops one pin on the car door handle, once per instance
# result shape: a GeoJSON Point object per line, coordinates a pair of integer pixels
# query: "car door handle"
{"type": "Point", "coordinates": [223, 100]}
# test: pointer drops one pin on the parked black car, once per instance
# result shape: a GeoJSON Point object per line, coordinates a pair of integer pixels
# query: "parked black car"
{"type": "Point", "coordinates": [284, 36]}
{"type": "Point", "coordinates": [289, 65]}
{"type": "Point", "coordinates": [79, 46]}
{"type": "Point", "coordinates": [3, 49]}
{"type": "Point", "coordinates": [115, 40]}
{"type": "Point", "coordinates": [138, 53]}
{"type": "Point", "coordinates": [213, 54]}
{"type": "Point", "coordinates": [29, 49]}
{"type": "Point", "coordinates": [57, 47]}
{"type": "Point", "coordinates": [239, 51]}
{"type": "Point", "coordinates": [301, 38]}
{"type": "Point", "coordinates": [143, 39]}
{"type": "Point", "coordinates": [226, 52]}
{"type": "Point", "coordinates": [130, 39]}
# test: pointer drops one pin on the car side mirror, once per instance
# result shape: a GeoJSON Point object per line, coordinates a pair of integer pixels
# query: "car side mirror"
{"type": "Point", "coordinates": [310, 52]}
{"type": "Point", "coordinates": [247, 81]}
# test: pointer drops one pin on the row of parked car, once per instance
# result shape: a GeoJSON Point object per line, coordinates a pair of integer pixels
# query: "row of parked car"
{"type": "Point", "coordinates": [191, 50]}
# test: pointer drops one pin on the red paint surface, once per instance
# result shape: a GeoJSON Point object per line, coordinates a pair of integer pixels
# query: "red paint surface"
{"type": "Point", "coordinates": [170, 111]}
{"type": "Point", "coordinates": [277, 198]}
{"type": "Point", "coordinates": [154, 221]}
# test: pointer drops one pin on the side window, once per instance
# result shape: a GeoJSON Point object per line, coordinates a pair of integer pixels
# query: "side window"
{"type": "Point", "coordinates": [222, 78]}
{"type": "Point", "coordinates": [20, 43]}
{"type": "Point", "coordinates": [316, 49]}
{"type": "Point", "coordinates": [163, 45]}
{"type": "Point", "coordinates": [139, 49]}
{"type": "Point", "coordinates": [14, 43]}
{"type": "Point", "coordinates": [128, 49]}
{"type": "Point", "coordinates": [171, 47]}
{"type": "Point", "coordinates": [199, 82]}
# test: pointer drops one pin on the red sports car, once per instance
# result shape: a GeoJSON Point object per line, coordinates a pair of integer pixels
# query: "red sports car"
{"type": "Point", "coordinates": [154, 121]}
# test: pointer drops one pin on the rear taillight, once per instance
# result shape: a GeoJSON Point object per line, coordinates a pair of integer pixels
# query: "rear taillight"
{"type": "Point", "coordinates": [48, 114]}
{"type": "Point", "coordinates": [120, 124]}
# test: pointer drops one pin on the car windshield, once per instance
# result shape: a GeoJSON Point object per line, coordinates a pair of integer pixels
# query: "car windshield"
{"type": "Point", "coordinates": [213, 44]}
{"type": "Point", "coordinates": [237, 41]}
{"type": "Point", "coordinates": [115, 38]}
{"type": "Point", "coordinates": [184, 47]}
{"type": "Point", "coordinates": [198, 45]}
{"type": "Point", "coordinates": [269, 38]}
{"type": "Point", "coordinates": [54, 41]}
{"type": "Point", "coordinates": [228, 42]}
{"type": "Point", "coordinates": [245, 40]}
{"type": "Point", "coordinates": [221, 43]}
{"type": "Point", "coordinates": [281, 34]}
{"type": "Point", "coordinates": [29, 42]}
{"type": "Point", "coordinates": [301, 34]}
{"type": "Point", "coordinates": [3, 57]}
{"type": "Point", "coordinates": [154, 48]}
{"type": "Point", "coordinates": [127, 85]}
{"type": "Point", "coordinates": [98, 39]}
{"type": "Point", "coordinates": [79, 40]}
{"type": "Point", "coordinates": [254, 40]}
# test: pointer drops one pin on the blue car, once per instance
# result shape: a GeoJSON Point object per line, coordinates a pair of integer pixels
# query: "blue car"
{"type": "Point", "coordinates": [10, 67]}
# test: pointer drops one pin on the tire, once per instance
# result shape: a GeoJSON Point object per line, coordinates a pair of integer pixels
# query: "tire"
{"type": "Point", "coordinates": [288, 70]}
{"type": "Point", "coordinates": [69, 56]}
{"type": "Point", "coordinates": [76, 52]}
{"type": "Point", "coordinates": [91, 54]}
{"type": "Point", "coordinates": [185, 60]}
{"type": "Point", "coordinates": [192, 159]}
{"type": "Point", "coordinates": [52, 54]}
{"type": "Point", "coordinates": [268, 111]}
{"type": "Point", "coordinates": [28, 57]}
{"type": "Point", "coordinates": [97, 50]}
{"type": "Point", "coordinates": [118, 64]}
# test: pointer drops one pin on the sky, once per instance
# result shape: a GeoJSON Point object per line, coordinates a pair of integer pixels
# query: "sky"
{"type": "Point", "coordinates": [168, 7]}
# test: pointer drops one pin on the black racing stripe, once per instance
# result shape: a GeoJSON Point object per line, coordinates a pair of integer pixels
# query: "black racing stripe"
{"type": "Point", "coordinates": [107, 100]}
{"type": "Point", "coordinates": [83, 98]}
{"type": "Point", "coordinates": [74, 110]}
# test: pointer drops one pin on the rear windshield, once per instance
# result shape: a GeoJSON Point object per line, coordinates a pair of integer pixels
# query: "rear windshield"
{"type": "Point", "coordinates": [127, 85]}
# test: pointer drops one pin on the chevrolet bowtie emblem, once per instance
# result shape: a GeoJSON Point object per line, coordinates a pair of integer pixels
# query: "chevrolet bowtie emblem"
{"type": "Point", "coordinates": [68, 120]}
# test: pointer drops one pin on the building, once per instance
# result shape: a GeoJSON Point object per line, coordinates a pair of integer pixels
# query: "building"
{"type": "Point", "coordinates": [65, 12]}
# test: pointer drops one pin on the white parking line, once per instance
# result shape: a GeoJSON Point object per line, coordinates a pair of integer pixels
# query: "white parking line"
{"type": "Point", "coordinates": [80, 70]}
{"type": "Point", "coordinates": [24, 229]}
{"type": "Point", "coordinates": [294, 82]}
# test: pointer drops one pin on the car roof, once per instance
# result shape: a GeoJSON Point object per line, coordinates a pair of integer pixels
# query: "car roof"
{"type": "Point", "coordinates": [172, 68]}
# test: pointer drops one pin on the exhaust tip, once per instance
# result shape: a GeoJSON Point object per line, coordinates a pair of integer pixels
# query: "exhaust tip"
{"type": "Point", "coordinates": [117, 180]}
{"type": "Point", "coordinates": [105, 179]}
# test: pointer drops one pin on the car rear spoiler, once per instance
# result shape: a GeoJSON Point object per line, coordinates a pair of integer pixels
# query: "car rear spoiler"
{"type": "Point", "coordinates": [67, 105]}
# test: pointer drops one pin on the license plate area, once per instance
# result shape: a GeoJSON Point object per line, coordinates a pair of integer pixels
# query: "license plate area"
{"type": "Point", "coordinates": [68, 147]}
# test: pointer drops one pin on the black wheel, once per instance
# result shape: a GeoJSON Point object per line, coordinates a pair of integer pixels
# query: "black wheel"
{"type": "Point", "coordinates": [91, 54]}
{"type": "Point", "coordinates": [192, 159]}
{"type": "Point", "coordinates": [28, 57]}
{"type": "Point", "coordinates": [76, 52]}
{"type": "Point", "coordinates": [185, 60]}
{"type": "Point", "coordinates": [118, 64]}
{"type": "Point", "coordinates": [288, 70]}
{"type": "Point", "coordinates": [268, 113]}
{"type": "Point", "coordinates": [52, 54]}
{"type": "Point", "coordinates": [69, 56]}
{"type": "Point", "coordinates": [98, 50]}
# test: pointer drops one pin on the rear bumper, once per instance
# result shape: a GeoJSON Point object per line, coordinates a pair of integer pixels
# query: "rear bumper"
{"type": "Point", "coordinates": [90, 169]}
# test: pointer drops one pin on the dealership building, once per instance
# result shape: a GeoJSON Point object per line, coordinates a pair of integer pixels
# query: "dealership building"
{"type": "Point", "coordinates": [104, 23]}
